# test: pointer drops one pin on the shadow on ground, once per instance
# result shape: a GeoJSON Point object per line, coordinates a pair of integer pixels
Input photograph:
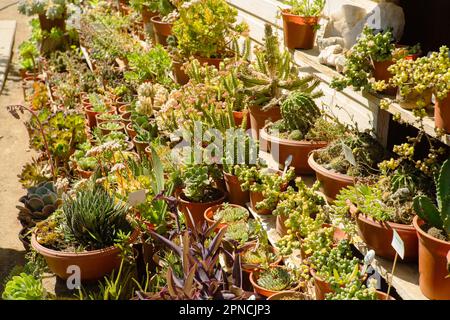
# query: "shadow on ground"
{"type": "Point", "coordinates": [9, 258]}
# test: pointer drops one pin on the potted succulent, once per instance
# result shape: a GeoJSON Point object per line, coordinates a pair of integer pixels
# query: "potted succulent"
{"type": "Point", "coordinates": [300, 22]}
{"type": "Point", "coordinates": [163, 22]}
{"type": "Point", "coordinates": [147, 8]}
{"type": "Point", "coordinates": [432, 224]}
{"type": "Point", "coordinates": [95, 106]}
{"type": "Point", "coordinates": [356, 290]}
{"type": "Point", "coordinates": [335, 172]}
{"type": "Point", "coordinates": [84, 165]}
{"type": "Point", "coordinates": [383, 206]}
{"type": "Point", "coordinates": [267, 79]}
{"type": "Point", "coordinates": [367, 63]}
{"type": "Point", "coordinates": [267, 282]}
{"type": "Point", "coordinates": [440, 64]}
{"type": "Point", "coordinates": [302, 129]}
{"type": "Point", "coordinates": [198, 194]}
{"type": "Point", "coordinates": [107, 117]}
{"type": "Point", "coordinates": [265, 186]}
{"type": "Point", "coordinates": [111, 126]}
{"type": "Point", "coordinates": [143, 137]}
{"type": "Point", "coordinates": [225, 214]}
{"type": "Point", "coordinates": [334, 268]}
{"type": "Point", "coordinates": [83, 233]}
{"type": "Point", "coordinates": [51, 13]}
{"type": "Point", "coordinates": [207, 39]}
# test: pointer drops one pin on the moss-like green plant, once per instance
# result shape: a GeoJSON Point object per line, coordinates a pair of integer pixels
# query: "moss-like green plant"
{"type": "Point", "coordinates": [229, 213]}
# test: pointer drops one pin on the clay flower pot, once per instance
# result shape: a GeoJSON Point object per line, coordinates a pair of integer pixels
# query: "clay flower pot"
{"type": "Point", "coordinates": [83, 173]}
{"type": "Point", "coordinates": [147, 15]}
{"type": "Point", "coordinates": [209, 214]}
{"type": "Point", "coordinates": [378, 236]}
{"type": "Point", "coordinates": [299, 150]}
{"type": "Point", "coordinates": [266, 292]}
{"type": "Point", "coordinates": [48, 24]}
{"type": "Point", "coordinates": [239, 116]}
{"type": "Point", "coordinates": [148, 152]}
{"type": "Point", "coordinates": [123, 108]}
{"type": "Point", "coordinates": [162, 30]}
{"type": "Point", "coordinates": [299, 32]}
{"type": "Point", "coordinates": [258, 120]}
{"type": "Point", "coordinates": [180, 76]}
{"type": "Point", "coordinates": [197, 209]}
{"type": "Point", "coordinates": [380, 72]}
{"type": "Point", "coordinates": [209, 61]}
{"type": "Point", "coordinates": [130, 131]}
{"type": "Point", "coordinates": [279, 225]}
{"type": "Point", "coordinates": [256, 197]}
{"type": "Point", "coordinates": [321, 287]}
{"type": "Point", "coordinates": [140, 146]}
{"type": "Point", "coordinates": [331, 182]}
{"type": "Point", "coordinates": [383, 296]}
{"type": "Point", "coordinates": [106, 131]}
{"type": "Point", "coordinates": [91, 115]}
{"type": "Point", "coordinates": [442, 114]}
{"type": "Point", "coordinates": [273, 264]}
{"type": "Point", "coordinates": [93, 264]}
{"type": "Point", "coordinates": [290, 295]}
{"type": "Point", "coordinates": [235, 194]}
{"type": "Point", "coordinates": [432, 264]}
{"type": "Point", "coordinates": [410, 102]}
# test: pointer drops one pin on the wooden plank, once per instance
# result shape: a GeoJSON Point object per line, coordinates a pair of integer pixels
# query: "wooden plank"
{"type": "Point", "coordinates": [266, 10]}
{"type": "Point", "coordinates": [256, 27]}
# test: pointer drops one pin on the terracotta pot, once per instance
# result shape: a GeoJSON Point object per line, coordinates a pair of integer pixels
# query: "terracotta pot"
{"type": "Point", "coordinates": [290, 295]}
{"type": "Point", "coordinates": [258, 120]}
{"type": "Point", "coordinates": [383, 296]}
{"type": "Point", "coordinates": [279, 225]}
{"type": "Point", "coordinates": [140, 146]}
{"type": "Point", "coordinates": [410, 102]}
{"type": "Point", "coordinates": [180, 76]}
{"type": "Point", "coordinates": [432, 264]}
{"type": "Point", "coordinates": [209, 61]}
{"type": "Point", "coordinates": [162, 30]}
{"type": "Point", "coordinates": [148, 152]}
{"type": "Point", "coordinates": [273, 264]}
{"type": "Point", "coordinates": [209, 214]}
{"type": "Point", "coordinates": [442, 114]}
{"type": "Point", "coordinates": [331, 182]}
{"type": "Point", "coordinates": [235, 194]}
{"type": "Point", "coordinates": [130, 131]}
{"type": "Point", "coordinates": [100, 120]}
{"type": "Point", "coordinates": [322, 287]}
{"type": "Point", "coordinates": [256, 197]}
{"type": "Point", "coordinates": [123, 108]}
{"type": "Point", "coordinates": [147, 15]}
{"type": "Point", "coordinates": [126, 118]}
{"type": "Point", "coordinates": [299, 32]}
{"type": "Point", "coordinates": [197, 209]}
{"type": "Point", "coordinates": [93, 264]}
{"type": "Point", "coordinates": [48, 24]}
{"type": "Point", "coordinates": [108, 131]}
{"type": "Point", "coordinates": [280, 149]}
{"type": "Point", "coordinates": [91, 116]}
{"type": "Point", "coordinates": [381, 72]}
{"type": "Point", "coordinates": [239, 116]}
{"type": "Point", "coordinates": [83, 173]}
{"type": "Point", "coordinates": [266, 292]}
{"type": "Point", "coordinates": [378, 236]}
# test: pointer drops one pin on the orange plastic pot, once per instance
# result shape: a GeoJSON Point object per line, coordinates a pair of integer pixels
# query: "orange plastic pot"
{"type": "Point", "coordinates": [381, 72]}
{"type": "Point", "coordinates": [432, 264]}
{"type": "Point", "coordinates": [239, 117]}
{"type": "Point", "coordinates": [266, 292]}
{"type": "Point", "coordinates": [197, 209]}
{"type": "Point", "coordinates": [209, 214]}
{"type": "Point", "coordinates": [280, 149]}
{"type": "Point", "coordinates": [299, 32]}
{"type": "Point", "coordinates": [93, 264]}
{"type": "Point", "coordinates": [442, 114]}
{"type": "Point", "coordinates": [235, 193]}
{"type": "Point", "coordinates": [180, 76]}
{"type": "Point", "coordinates": [162, 30]}
{"type": "Point", "coordinates": [378, 236]}
{"type": "Point", "coordinates": [258, 120]}
{"type": "Point", "coordinates": [331, 182]}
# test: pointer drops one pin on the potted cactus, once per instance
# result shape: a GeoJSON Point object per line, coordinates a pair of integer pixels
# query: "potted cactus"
{"type": "Point", "coordinates": [267, 79]}
{"type": "Point", "coordinates": [51, 13]}
{"type": "Point", "coordinates": [302, 129]}
{"type": "Point", "coordinates": [432, 225]}
{"type": "Point", "coordinates": [300, 22]}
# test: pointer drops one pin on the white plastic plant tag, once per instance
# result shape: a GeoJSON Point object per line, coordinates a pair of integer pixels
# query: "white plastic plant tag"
{"type": "Point", "coordinates": [398, 245]}
{"type": "Point", "coordinates": [136, 197]}
{"type": "Point", "coordinates": [348, 153]}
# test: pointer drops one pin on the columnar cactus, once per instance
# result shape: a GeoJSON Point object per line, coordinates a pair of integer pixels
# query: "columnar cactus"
{"type": "Point", "coordinates": [438, 217]}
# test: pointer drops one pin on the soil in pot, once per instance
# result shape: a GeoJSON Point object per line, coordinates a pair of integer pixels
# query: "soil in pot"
{"type": "Point", "coordinates": [258, 120]}
{"type": "Point", "coordinates": [442, 114]}
{"type": "Point", "coordinates": [299, 32]}
{"type": "Point", "coordinates": [280, 149]}
{"type": "Point", "coordinates": [93, 264]}
{"type": "Point", "coordinates": [197, 209]}
{"type": "Point", "coordinates": [180, 76]}
{"type": "Point", "coordinates": [432, 263]}
{"type": "Point", "coordinates": [162, 30]}
{"type": "Point", "coordinates": [331, 182]}
{"type": "Point", "coordinates": [235, 194]}
{"type": "Point", "coordinates": [378, 236]}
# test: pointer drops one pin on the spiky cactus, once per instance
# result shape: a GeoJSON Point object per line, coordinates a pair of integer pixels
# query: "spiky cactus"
{"type": "Point", "coordinates": [275, 279]}
{"type": "Point", "coordinates": [299, 112]}
{"type": "Point", "coordinates": [272, 74]}
{"type": "Point", "coordinates": [438, 217]}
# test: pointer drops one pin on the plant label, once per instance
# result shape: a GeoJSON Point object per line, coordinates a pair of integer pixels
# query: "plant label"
{"type": "Point", "coordinates": [136, 197]}
{"type": "Point", "coordinates": [398, 245]}
{"type": "Point", "coordinates": [348, 153]}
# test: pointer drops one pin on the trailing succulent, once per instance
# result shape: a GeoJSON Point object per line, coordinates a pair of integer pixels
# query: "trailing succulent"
{"type": "Point", "coordinates": [354, 290]}
{"type": "Point", "coordinates": [437, 217]}
{"type": "Point", "coordinates": [39, 203]}
{"type": "Point", "coordinates": [272, 74]}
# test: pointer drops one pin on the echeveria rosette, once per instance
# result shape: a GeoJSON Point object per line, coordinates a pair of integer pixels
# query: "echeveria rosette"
{"type": "Point", "coordinates": [52, 9]}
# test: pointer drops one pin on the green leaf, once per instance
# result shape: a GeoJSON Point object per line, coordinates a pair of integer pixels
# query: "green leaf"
{"type": "Point", "coordinates": [427, 211]}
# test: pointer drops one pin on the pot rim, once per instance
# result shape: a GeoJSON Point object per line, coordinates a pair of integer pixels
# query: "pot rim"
{"type": "Point", "coordinates": [224, 194]}
{"type": "Point", "coordinates": [255, 285]}
{"type": "Point", "coordinates": [61, 254]}
{"type": "Point", "coordinates": [417, 222]}
{"type": "Point", "coordinates": [286, 12]}
{"type": "Point", "coordinates": [157, 20]}
{"type": "Point", "coordinates": [383, 224]}
{"type": "Point", "coordinates": [214, 208]}
{"type": "Point", "coordinates": [297, 143]}
{"type": "Point", "coordinates": [320, 169]}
